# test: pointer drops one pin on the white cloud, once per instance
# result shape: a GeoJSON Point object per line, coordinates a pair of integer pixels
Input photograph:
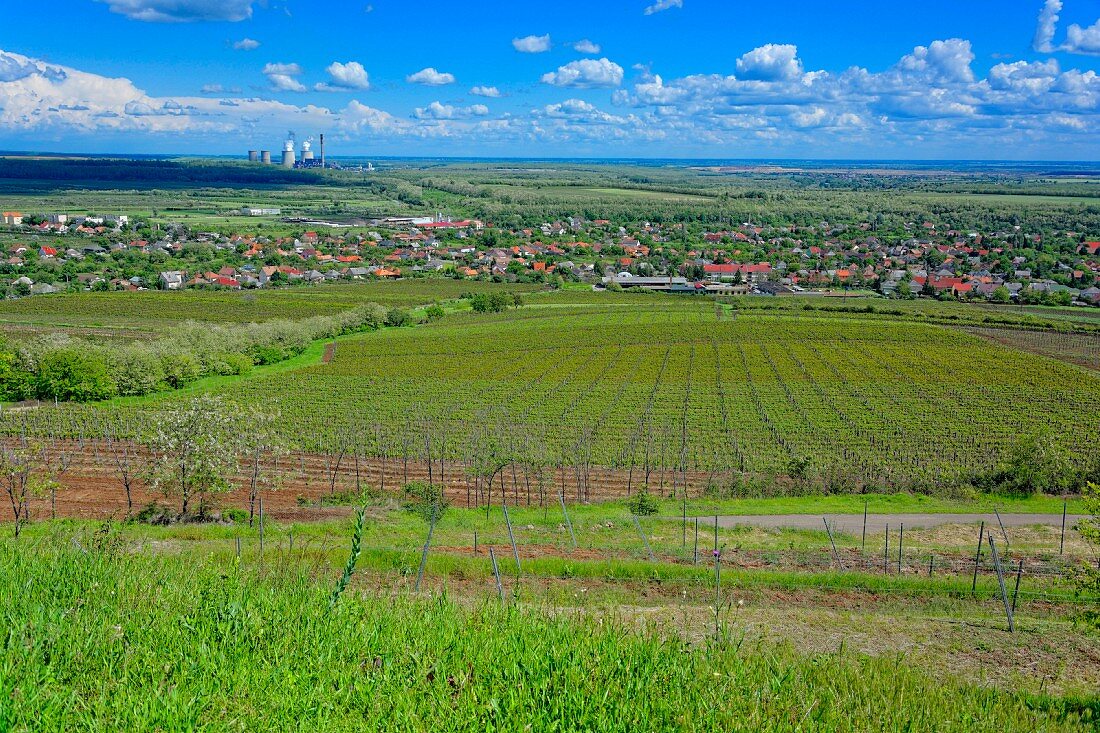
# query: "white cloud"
{"type": "Point", "coordinates": [586, 46]}
{"type": "Point", "coordinates": [1047, 26]}
{"type": "Point", "coordinates": [1080, 40]}
{"type": "Point", "coordinates": [484, 91]}
{"type": "Point", "coordinates": [772, 62]}
{"type": "Point", "coordinates": [430, 77]}
{"type": "Point", "coordinates": [219, 89]}
{"type": "Point", "coordinates": [246, 44]}
{"type": "Point", "coordinates": [440, 111]}
{"type": "Point", "coordinates": [532, 44]}
{"type": "Point", "coordinates": [944, 61]}
{"type": "Point", "coordinates": [1083, 40]}
{"type": "Point", "coordinates": [578, 110]}
{"type": "Point", "coordinates": [182, 11]}
{"type": "Point", "coordinates": [662, 5]}
{"type": "Point", "coordinates": [344, 77]}
{"type": "Point", "coordinates": [283, 77]}
{"type": "Point", "coordinates": [586, 74]}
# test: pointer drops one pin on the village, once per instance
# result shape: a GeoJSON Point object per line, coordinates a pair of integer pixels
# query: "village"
{"type": "Point", "coordinates": [57, 252]}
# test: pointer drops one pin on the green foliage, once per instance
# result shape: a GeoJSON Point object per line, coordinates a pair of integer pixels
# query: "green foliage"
{"type": "Point", "coordinates": [396, 317]}
{"type": "Point", "coordinates": [495, 302]}
{"type": "Point", "coordinates": [425, 500]}
{"type": "Point", "coordinates": [433, 312]}
{"type": "Point", "coordinates": [1036, 463]}
{"type": "Point", "coordinates": [642, 504]}
{"type": "Point", "coordinates": [73, 374]}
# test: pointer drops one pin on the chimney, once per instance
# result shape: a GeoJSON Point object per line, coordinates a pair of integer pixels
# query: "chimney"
{"type": "Point", "coordinates": [322, 150]}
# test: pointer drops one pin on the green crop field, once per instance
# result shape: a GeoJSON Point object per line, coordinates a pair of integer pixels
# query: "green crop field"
{"type": "Point", "coordinates": [658, 385]}
{"type": "Point", "coordinates": [153, 309]}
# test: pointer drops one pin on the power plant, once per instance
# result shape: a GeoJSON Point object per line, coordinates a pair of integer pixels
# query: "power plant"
{"type": "Point", "coordinates": [304, 158]}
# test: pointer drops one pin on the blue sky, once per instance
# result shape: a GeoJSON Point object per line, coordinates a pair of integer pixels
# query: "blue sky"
{"type": "Point", "coordinates": [1013, 79]}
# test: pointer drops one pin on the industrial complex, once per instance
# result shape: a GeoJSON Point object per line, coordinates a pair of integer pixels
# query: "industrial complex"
{"type": "Point", "coordinates": [303, 158]}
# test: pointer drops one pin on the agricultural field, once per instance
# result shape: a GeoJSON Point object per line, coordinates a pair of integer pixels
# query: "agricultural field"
{"type": "Point", "coordinates": [621, 392]}
{"type": "Point", "coordinates": [155, 309]}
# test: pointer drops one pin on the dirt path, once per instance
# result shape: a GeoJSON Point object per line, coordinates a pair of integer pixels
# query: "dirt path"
{"type": "Point", "coordinates": [330, 352]}
{"type": "Point", "coordinates": [853, 523]}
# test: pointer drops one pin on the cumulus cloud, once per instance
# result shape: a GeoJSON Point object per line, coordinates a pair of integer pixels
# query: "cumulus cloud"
{"type": "Point", "coordinates": [772, 62]}
{"type": "Point", "coordinates": [532, 44]}
{"type": "Point", "coordinates": [430, 77]}
{"type": "Point", "coordinates": [586, 46]}
{"type": "Point", "coordinates": [283, 77]}
{"type": "Point", "coordinates": [586, 74]}
{"type": "Point", "coordinates": [578, 110]}
{"type": "Point", "coordinates": [181, 11]}
{"type": "Point", "coordinates": [246, 44]}
{"type": "Point", "coordinates": [344, 77]}
{"type": "Point", "coordinates": [1047, 26]}
{"type": "Point", "coordinates": [1080, 40]}
{"type": "Point", "coordinates": [485, 91]}
{"type": "Point", "coordinates": [946, 61]}
{"type": "Point", "coordinates": [662, 5]}
{"type": "Point", "coordinates": [1083, 40]}
{"type": "Point", "coordinates": [440, 111]}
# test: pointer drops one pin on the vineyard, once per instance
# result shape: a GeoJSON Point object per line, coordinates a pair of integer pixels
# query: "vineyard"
{"type": "Point", "coordinates": [601, 395]}
{"type": "Point", "coordinates": [153, 309]}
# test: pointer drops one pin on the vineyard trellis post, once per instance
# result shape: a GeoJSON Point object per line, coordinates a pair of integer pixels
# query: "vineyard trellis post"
{"type": "Point", "coordinates": [511, 536]}
{"type": "Point", "coordinates": [836, 555]}
{"type": "Point", "coordinates": [645, 540]}
{"type": "Point", "coordinates": [977, 559]}
{"type": "Point", "coordinates": [496, 573]}
{"type": "Point", "coordinates": [1001, 582]}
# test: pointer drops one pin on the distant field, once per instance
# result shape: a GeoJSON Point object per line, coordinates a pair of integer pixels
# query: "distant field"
{"type": "Point", "coordinates": [664, 385]}
{"type": "Point", "coordinates": [152, 309]}
{"type": "Point", "coordinates": [1081, 349]}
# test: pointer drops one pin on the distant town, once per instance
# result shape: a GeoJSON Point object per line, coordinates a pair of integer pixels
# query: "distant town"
{"type": "Point", "coordinates": [49, 252]}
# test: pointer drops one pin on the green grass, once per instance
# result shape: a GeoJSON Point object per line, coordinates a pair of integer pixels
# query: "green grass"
{"type": "Point", "coordinates": [106, 637]}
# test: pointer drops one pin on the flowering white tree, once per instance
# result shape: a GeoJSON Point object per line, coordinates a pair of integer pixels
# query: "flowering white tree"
{"type": "Point", "coordinates": [195, 450]}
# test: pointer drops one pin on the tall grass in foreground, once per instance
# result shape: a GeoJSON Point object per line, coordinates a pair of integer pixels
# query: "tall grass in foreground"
{"type": "Point", "coordinates": [97, 636]}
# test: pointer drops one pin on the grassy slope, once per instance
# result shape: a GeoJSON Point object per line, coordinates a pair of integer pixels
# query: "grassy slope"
{"type": "Point", "coordinates": [103, 638]}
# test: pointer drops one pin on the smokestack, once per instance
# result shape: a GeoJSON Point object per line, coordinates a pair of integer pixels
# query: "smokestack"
{"type": "Point", "coordinates": [322, 150]}
{"type": "Point", "coordinates": [265, 156]}
{"type": "Point", "coordinates": [253, 156]}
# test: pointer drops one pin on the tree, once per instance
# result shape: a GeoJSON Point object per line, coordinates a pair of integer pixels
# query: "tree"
{"type": "Point", "coordinates": [72, 374]}
{"type": "Point", "coordinates": [1000, 294]}
{"type": "Point", "coordinates": [1037, 464]}
{"type": "Point", "coordinates": [261, 443]}
{"type": "Point", "coordinates": [21, 478]}
{"type": "Point", "coordinates": [195, 451]}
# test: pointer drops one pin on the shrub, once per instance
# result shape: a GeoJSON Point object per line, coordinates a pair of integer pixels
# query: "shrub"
{"type": "Point", "coordinates": [71, 374]}
{"type": "Point", "coordinates": [425, 500]}
{"type": "Point", "coordinates": [433, 312]}
{"type": "Point", "coordinates": [642, 504]}
{"type": "Point", "coordinates": [397, 317]}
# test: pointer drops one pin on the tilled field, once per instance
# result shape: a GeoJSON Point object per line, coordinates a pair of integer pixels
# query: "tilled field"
{"type": "Point", "coordinates": [90, 486]}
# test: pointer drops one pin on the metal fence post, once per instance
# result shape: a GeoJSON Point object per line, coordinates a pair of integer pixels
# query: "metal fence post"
{"type": "Point", "coordinates": [1001, 582]}
{"type": "Point", "coordinates": [645, 540]}
{"type": "Point", "coordinates": [512, 539]}
{"type": "Point", "coordinates": [977, 559]}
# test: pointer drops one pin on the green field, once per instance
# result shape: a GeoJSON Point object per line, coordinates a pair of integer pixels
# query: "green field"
{"type": "Point", "coordinates": [153, 309]}
{"type": "Point", "coordinates": [656, 386]}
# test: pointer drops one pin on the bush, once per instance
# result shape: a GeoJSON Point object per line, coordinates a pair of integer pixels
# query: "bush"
{"type": "Point", "coordinates": [425, 500]}
{"type": "Point", "coordinates": [72, 375]}
{"type": "Point", "coordinates": [397, 317]}
{"type": "Point", "coordinates": [433, 312]}
{"type": "Point", "coordinates": [235, 515]}
{"type": "Point", "coordinates": [642, 504]}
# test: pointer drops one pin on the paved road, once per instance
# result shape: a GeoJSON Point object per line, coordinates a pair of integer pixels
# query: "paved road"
{"type": "Point", "coordinates": [853, 523]}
